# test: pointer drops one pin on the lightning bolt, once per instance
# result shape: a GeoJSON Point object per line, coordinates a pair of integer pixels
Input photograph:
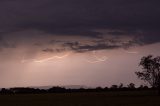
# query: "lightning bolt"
{"type": "Point", "coordinates": [44, 60]}
{"type": "Point", "coordinates": [98, 59]}
{"type": "Point", "coordinates": [51, 58]}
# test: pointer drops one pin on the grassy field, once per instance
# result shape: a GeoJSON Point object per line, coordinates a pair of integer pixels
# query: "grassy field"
{"type": "Point", "coordinates": [125, 98]}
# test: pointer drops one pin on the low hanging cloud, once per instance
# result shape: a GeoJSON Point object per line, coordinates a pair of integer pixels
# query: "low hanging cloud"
{"type": "Point", "coordinates": [99, 45]}
{"type": "Point", "coordinates": [51, 50]}
{"type": "Point", "coordinates": [96, 20]}
{"type": "Point", "coordinates": [91, 45]}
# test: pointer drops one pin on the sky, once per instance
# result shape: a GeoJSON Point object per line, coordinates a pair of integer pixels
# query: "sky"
{"type": "Point", "coordinates": [76, 42]}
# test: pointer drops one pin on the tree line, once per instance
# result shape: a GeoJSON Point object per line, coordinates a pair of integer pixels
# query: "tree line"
{"type": "Point", "coordinates": [58, 89]}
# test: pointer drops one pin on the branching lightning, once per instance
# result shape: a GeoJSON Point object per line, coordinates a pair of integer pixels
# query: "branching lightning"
{"type": "Point", "coordinates": [51, 58]}
{"type": "Point", "coordinates": [44, 60]}
{"type": "Point", "coordinates": [97, 59]}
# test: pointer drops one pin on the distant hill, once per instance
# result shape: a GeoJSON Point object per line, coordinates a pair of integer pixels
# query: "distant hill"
{"type": "Point", "coordinates": [74, 86]}
{"type": "Point", "coordinates": [47, 87]}
{"type": "Point", "coordinates": [65, 86]}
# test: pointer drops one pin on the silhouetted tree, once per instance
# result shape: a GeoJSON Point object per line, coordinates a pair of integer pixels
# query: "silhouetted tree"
{"type": "Point", "coordinates": [142, 87]}
{"type": "Point", "coordinates": [114, 87]}
{"type": "Point", "coordinates": [106, 88]}
{"type": "Point", "coordinates": [98, 89]}
{"type": "Point", "coordinates": [131, 86]}
{"type": "Point", "coordinates": [121, 86]}
{"type": "Point", "coordinates": [151, 71]}
{"type": "Point", "coordinates": [5, 91]}
{"type": "Point", "coordinates": [57, 90]}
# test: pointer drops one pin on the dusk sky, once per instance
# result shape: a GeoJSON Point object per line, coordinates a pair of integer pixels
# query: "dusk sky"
{"type": "Point", "coordinates": [76, 42]}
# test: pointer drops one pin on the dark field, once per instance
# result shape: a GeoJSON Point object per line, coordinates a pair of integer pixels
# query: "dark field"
{"type": "Point", "coordinates": [117, 98]}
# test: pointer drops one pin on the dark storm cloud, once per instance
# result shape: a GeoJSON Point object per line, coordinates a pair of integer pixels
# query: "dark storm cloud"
{"type": "Point", "coordinates": [50, 50]}
{"type": "Point", "coordinates": [132, 18]}
{"type": "Point", "coordinates": [86, 48]}
{"type": "Point", "coordinates": [102, 44]}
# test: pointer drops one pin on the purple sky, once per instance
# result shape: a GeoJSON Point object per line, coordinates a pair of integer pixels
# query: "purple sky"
{"type": "Point", "coordinates": [76, 42]}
